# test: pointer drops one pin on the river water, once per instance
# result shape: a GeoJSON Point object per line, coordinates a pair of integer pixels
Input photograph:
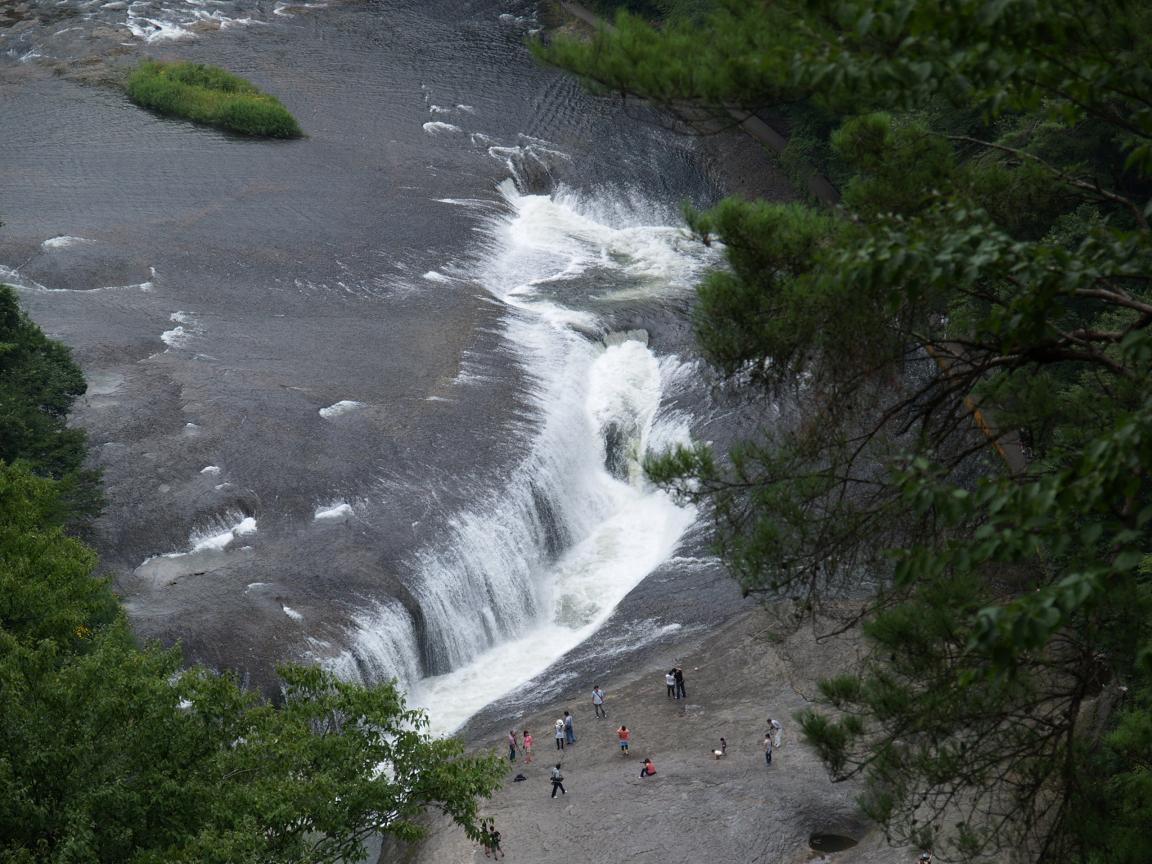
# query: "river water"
{"type": "Point", "coordinates": [377, 398]}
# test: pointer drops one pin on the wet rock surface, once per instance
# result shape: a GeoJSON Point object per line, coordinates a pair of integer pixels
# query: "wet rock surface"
{"type": "Point", "coordinates": [697, 808]}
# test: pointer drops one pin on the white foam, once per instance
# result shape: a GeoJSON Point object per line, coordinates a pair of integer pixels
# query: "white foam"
{"type": "Point", "coordinates": [439, 109]}
{"type": "Point", "coordinates": [434, 276]}
{"type": "Point", "coordinates": [177, 337]}
{"type": "Point", "coordinates": [437, 127]}
{"type": "Point", "coordinates": [210, 469]}
{"type": "Point", "coordinates": [12, 277]}
{"type": "Point", "coordinates": [66, 240]}
{"type": "Point", "coordinates": [222, 539]}
{"type": "Point", "coordinates": [497, 603]}
{"type": "Point", "coordinates": [341, 407]}
{"type": "Point", "coordinates": [285, 9]}
{"type": "Point", "coordinates": [292, 613]}
{"type": "Point", "coordinates": [333, 510]}
{"type": "Point", "coordinates": [157, 29]}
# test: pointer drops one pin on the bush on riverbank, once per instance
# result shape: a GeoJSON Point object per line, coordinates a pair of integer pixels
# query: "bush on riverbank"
{"type": "Point", "coordinates": [209, 94]}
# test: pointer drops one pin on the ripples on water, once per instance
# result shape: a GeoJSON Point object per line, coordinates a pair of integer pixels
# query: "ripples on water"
{"type": "Point", "coordinates": [385, 342]}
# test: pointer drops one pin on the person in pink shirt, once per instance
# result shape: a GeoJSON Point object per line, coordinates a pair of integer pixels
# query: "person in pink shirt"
{"type": "Point", "coordinates": [527, 746]}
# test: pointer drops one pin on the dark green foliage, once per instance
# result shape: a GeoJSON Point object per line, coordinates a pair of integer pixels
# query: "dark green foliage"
{"type": "Point", "coordinates": [115, 754]}
{"type": "Point", "coordinates": [209, 94]}
{"type": "Point", "coordinates": [38, 384]}
{"type": "Point", "coordinates": [966, 347]}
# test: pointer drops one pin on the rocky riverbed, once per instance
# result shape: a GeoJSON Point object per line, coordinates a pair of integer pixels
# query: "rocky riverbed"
{"type": "Point", "coordinates": [697, 808]}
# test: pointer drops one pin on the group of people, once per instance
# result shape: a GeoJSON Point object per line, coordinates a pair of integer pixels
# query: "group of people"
{"type": "Point", "coordinates": [565, 734]}
{"type": "Point", "coordinates": [490, 839]}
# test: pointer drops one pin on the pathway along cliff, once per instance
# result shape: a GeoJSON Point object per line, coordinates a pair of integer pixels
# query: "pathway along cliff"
{"type": "Point", "coordinates": [377, 398]}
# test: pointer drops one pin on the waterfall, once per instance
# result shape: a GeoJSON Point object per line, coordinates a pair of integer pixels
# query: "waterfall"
{"type": "Point", "coordinates": [537, 565]}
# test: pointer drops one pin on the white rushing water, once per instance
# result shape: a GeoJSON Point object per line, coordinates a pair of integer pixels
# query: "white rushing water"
{"type": "Point", "coordinates": [539, 565]}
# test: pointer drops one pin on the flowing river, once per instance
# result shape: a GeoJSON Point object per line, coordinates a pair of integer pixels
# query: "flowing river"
{"type": "Point", "coordinates": [377, 398]}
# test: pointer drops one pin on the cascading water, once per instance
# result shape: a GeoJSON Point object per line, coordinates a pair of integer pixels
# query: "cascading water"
{"type": "Point", "coordinates": [538, 565]}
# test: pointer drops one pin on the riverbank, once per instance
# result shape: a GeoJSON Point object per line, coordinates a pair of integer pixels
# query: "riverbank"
{"type": "Point", "coordinates": [696, 808]}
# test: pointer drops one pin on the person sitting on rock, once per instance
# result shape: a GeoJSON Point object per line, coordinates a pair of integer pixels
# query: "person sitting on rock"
{"type": "Point", "coordinates": [648, 769]}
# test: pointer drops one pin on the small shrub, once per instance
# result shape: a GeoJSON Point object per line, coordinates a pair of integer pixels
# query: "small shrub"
{"type": "Point", "coordinates": [209, 94]}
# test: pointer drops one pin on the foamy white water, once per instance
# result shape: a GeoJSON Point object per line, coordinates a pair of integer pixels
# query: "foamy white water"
{"type": "Point", "coordinates": [65, 240]}
{"type": "Point", "coordinates": [538, 565]}
{"type": "Point", "coordinates": [341, 407]}
{"type": "Point", "coordinates": [438, 127]}
{"type": "Point", "coordinates": [332, 511]}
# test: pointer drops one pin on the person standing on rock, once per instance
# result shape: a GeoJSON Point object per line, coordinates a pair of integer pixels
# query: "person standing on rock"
{"type": "Point", "coordinates": [768, 748]}
{"type": "Point", "coordinates": [558, 726]}
{"type": "Point", "coordinates": [777, 732]}
{"type": "Point", "coordinates": [623, 734]}
{"type": "Point", "coordinates": [569, 731]}
{"type": "Point", "coordinates": [512, 745]}
{"type": "Point", "coordinates": [527, 746]}
{"type": "Point", "coordinates": [670, 681]}
{"type": "Point", "coordinates": [558, 781]}
{"type": "Point", "coordinates": [494, 842]}
{"type": "Point", "coordinates": [678, 674]}
{"type": "Point", "coordinates": [598, 702]}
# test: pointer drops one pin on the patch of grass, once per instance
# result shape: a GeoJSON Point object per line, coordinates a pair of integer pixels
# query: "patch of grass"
{"type": "Point", "coordinates": [209, 94]}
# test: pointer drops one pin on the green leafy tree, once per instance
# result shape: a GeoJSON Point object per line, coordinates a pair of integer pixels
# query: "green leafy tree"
{"type": "Point", "coordinates": [962, 349]}
{"type": "Point", "coordinates": [38, 384]}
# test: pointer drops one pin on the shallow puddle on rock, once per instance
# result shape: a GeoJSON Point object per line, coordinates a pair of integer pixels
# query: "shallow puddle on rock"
{"type": "Point", "coordinates": [830, 842]}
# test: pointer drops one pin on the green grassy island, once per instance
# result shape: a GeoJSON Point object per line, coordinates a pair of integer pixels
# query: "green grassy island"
{"type": "Point", "coordinates": [209, 94]}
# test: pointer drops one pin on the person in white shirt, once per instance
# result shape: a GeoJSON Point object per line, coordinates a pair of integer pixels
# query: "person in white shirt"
{"type": "Point", "coordinates": [776, 730]}
{"type": "Point", "coordinates": [598, 702]}
{"type": "Point", "coordinates": [670, 680]}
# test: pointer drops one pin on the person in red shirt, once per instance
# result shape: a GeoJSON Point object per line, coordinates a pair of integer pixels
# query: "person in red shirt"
{"type": "Point", "coordinates": [623, 734]}
{"type": "Point", "coordinates": [648, 769]}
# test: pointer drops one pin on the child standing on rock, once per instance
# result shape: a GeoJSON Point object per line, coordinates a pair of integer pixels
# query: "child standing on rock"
{"type": "Point", "coordinates": [623, 734]}
{"type": "Point", "coordinates": [768, 748]}
{"type": "Point", "coordinates": [670, 683]}
{"type": "Point", "coordinates": [527, 747]}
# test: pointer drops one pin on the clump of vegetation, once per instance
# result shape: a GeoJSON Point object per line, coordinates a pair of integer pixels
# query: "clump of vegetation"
{"type": "Point", "coordinates": [209, 94]}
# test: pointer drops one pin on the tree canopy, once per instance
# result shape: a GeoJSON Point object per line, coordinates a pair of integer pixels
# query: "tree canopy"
{"type": "Point", "coordinates": [115, 753]}
{"type": "Point", "coordinates": [964, 345]}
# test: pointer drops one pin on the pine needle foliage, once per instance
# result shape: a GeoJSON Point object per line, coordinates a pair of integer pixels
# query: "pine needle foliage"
{"type": "Point", "coordinates": [963, 352]}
